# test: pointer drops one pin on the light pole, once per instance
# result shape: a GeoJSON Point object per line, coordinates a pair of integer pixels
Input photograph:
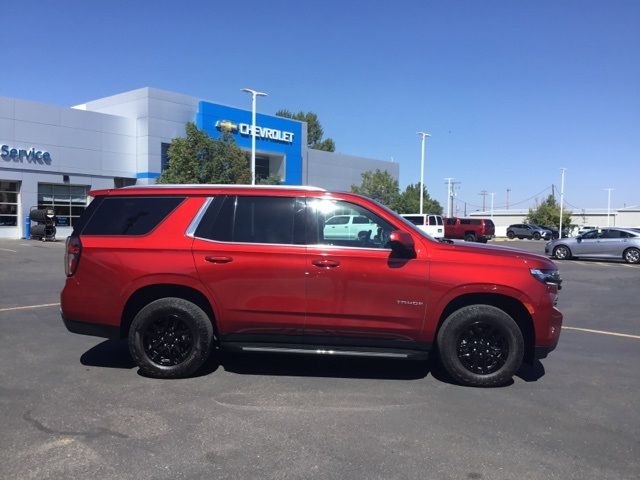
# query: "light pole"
{"type": "Point", "coordinates": [561, 200]}
{"type": "Point", "coordinates": [492, 194]}
{"type": "Point", "coordinates": [608, 203]}
{"type": "Point", "coordinates": [424, 136]}
{"type": "Point", "coordinates": [254, 94]}
{"type": "Point", "coordinates": [448, 196]}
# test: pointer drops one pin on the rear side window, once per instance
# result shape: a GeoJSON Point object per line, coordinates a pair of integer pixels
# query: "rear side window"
{"type": "Point", "coordinates": [489, 223]}
{"type": "Point", "coordinates": [129, 215]}
{"type": "Point", "coordinates": [415, 219]}
{"type": "Point", "coordinates": [253, 219]}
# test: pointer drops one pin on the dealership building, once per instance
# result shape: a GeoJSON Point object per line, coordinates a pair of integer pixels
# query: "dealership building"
{"type": "Point", "coordinates": [52, 156]}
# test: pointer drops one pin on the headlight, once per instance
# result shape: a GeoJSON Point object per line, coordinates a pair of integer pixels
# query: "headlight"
{"type": "Point", "coordinates": [547, 276]}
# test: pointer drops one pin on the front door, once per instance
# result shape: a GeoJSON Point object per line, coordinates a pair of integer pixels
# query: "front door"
{"type": "Point", "coordinates": [249, 252]}
{"type": "Point", "coordinates": [356, 287]}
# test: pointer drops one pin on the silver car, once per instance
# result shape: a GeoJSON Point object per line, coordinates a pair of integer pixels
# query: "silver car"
{"type": "Point", "coordinates": [599, 243]}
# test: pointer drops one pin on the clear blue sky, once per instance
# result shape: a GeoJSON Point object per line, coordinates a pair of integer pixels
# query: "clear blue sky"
{"type": "Point", "coordinates": [510, 91]}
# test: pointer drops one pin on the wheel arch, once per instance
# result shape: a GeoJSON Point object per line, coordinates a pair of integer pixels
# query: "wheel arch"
{"type": "Point", "coordinates": [147, 294]}
{"type": "Point", "coordinates": [510, 305]}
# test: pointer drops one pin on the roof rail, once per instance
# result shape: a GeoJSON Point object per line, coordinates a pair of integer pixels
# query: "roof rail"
{"type": "Point", "coordinates": [229, 186]}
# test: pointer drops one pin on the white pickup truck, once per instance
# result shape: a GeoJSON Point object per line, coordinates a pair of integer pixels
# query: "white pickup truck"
{"type": "Point", "coordinates": [347, 227]}
{"type": "Point", "coordinates": [427, 222]}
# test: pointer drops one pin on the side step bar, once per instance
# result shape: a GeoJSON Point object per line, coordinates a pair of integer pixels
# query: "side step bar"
{"type": "Point", "coordinates": [325, 350]}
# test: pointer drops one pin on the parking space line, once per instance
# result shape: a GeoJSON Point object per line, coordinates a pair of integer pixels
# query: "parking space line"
{"type": "Point", "coordinates": [603, 332]}
{"type": "Point", "coordinates": [29, 307]}
{"type": "Point", "coordinates": [8, 250]}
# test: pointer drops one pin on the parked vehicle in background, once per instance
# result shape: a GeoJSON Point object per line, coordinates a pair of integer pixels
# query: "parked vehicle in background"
{"type": "Point", "coordinates": [530, 231]}
{"type": "Point", "coordinates": [554, 231]}
{"type": "Point", "coordinates": [427, 222]}
{"type": "Point", "coordinates": [621, 243]}
{"type": "Point", "coordinates": [469, 229]}
{"type": "Point", "coordinates": [181, 271]}
{"type": "Point", "coordinates": [585, 229]}
{"type": "Point", "coordinates": [349, 227]}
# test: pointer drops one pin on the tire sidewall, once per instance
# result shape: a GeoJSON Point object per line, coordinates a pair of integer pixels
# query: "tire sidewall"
{"type": "Point", "coordinates": [193, 316]}
{"type": "Point", "coordinates": [562, 247]}
{"type": "Point", "coordinates": [511, 235]}
{"type": "Point", "coordinates": [456, 324]}
{"type": "Point", "coordinates": [627, 252]}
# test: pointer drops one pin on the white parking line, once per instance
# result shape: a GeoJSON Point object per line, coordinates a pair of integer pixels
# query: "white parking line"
{"type": "Point", "coordinates": [28, 307]}
{"type": "Point", "coordinates": [8, 250]}
{"type": "Point", "coordinates": [603, 332]}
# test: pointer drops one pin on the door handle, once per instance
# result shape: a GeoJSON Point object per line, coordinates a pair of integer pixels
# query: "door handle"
{"type": "Point", "coordinates": [212, 259]}
{"type": "Point", "coordinates": [326, 263]}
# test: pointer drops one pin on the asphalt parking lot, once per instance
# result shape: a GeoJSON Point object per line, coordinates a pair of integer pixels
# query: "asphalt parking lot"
{"type": "Point", "coordinates": [74, 407]}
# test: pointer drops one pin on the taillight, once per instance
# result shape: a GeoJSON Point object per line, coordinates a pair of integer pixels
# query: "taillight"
{"type": "Point", "coordinates": [72, 255]}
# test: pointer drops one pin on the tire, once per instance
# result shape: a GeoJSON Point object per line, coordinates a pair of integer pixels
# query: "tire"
{"type": "Point", "coordinates": [496, 331]}
{"type": "Point", "coordinates": [157, 322]}
{"type": "Point", "coordinates": [536, 235]}
{"type": "Point", "coordinates": [469, 237]}
{"type": "Point", "coordinates": [562, 252]}
{"type": "Point", "coordinates": [511, 235]}
{"type": "Point", "coordinates": [631, 255]}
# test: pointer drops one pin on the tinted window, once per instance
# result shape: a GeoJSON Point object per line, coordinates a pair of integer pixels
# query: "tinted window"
{"type": "Point", "coordinates": [360, 220]}
{"type": "Point", "coordinates": [489, 223]}
{"type": "Point", "coordinates": [451, 221]}
{"type": "Point", "coordinates": [129, 215]}
{"type": "Point", "coordinates": [275, 220]}
{"type": "Point", "coordinates": [591, 234]}
{"type": "Point", "coordinates": [439, 219]}
{"type": "Point", "coordinates": [615, 234]}
{"type": "Point", "coordinates": [465, 222]}
{"type": "Point", "coordinates": [476, 222]}
{"type": "Point", "coordinates": [415, 219]}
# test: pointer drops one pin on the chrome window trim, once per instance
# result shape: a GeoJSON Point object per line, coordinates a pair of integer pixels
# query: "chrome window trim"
{"type": "Point", "coordinates": [191, 229]}
{"type": "Point", "coordinates": [304, 245]}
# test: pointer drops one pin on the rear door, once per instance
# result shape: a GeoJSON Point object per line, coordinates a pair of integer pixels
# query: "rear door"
{"type": "Point", "coordinates": [249, 252]}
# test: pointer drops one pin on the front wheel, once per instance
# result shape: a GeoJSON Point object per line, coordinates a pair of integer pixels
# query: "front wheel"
{"type": "Point", "coordinates": [511, 235]}
{"type": "Point", "coordinates": [170, 338]}
{"type": "Point", "coordinates": [536, 236]}
{"type": "Point", "coordinates": [562, 253]}
{"type": "Point", "coordinates": [632, 255]}
{"type": "Point", "coordinates": [480, 346]}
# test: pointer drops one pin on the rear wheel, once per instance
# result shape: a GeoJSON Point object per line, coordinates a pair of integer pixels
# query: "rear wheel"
{"type": "Point", "coordinates": [480, 346]}
{"type": "Point", "coordinates": [632, 255]}
{"type": "Point", "coordinates": [170, 338]}
{"type": "Point", "coordinates": [469, 237]}
{"type": "Point", "coordinates": [562, 252]}
{"type": "Point", "coordinates": [510, 235]}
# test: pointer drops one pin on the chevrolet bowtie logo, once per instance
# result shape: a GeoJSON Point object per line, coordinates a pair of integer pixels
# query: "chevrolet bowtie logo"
{"type": "Point", "coordinates": [226, 126]}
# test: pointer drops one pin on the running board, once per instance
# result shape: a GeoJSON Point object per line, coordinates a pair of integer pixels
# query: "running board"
{"type": "Point", "coordinates": [332, 351]}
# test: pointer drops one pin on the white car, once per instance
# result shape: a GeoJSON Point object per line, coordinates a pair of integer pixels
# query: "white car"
{"type": "Point", "coordinates": [427, 222]}
{"type": "Point", "coordinates": [349, 227]}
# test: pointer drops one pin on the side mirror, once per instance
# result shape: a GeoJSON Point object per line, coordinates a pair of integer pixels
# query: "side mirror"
{"type": "Point", "coordinates": [579, 239]}
{"type": "Point", "coordinates": [401, 242]}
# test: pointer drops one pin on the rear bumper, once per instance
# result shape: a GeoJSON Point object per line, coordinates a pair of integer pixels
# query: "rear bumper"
{"type": "Point", "coordinates": [92, 329]}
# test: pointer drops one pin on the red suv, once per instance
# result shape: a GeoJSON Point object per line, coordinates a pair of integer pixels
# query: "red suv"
{"type": "Point", "coordinates": [183, 270]}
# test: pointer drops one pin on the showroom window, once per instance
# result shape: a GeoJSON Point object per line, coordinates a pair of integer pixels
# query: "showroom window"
{"type": "Point", "coordinates": [67, 201]}
{"type": "Point", "coordinates": [9, 203]}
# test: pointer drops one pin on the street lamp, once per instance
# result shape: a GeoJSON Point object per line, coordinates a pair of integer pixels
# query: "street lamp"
{"type": "Point", "coordinates": [254, 94]}
{"type": "Point", "coordinates": [492, 194]}
{"type": "Point", "coordinates": [424, 136]}
{"type": "Point", "coordinates": [608, 203]}
{"type": "Point", "coordinates": [561, 200]}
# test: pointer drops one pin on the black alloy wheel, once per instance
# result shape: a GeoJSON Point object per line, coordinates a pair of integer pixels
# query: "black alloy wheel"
{"type": "Point", "coordinates": [536, 235]}
{"type": "Point", "coordinates": [170, 338]}
{"type": "Point", "coordinates": [168, 341]}
{"type": "Point", "coordinates": [510, 234]}
{"type": "Point", "coordinates": [482, 348]}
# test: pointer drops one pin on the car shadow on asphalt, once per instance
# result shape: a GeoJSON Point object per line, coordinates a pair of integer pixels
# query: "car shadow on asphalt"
{"type": "Point", "coordinates": [115, 354]}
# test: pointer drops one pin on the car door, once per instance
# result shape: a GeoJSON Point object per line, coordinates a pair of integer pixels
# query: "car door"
{"type": "Point", "coordinates": [250, 253]}
{"type": "Point", "coordinates": [586, 244]}
{"type": "Point", "coordinates": [357, 288]}
{"type": "Point", "coordinates": [612, 243]}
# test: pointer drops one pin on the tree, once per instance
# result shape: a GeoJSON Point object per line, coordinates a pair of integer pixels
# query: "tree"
{"type": "Point", "coordinates": [548, 213]}
{"type": "Point", "coordinates": [380, 186]}
{"type": "Point", "coordinates": [198, 158]}
{"type": "Point", "coordinates": [314, 129]}
{"type": "Point", "coordinates": [409, 201]}
{"type": "Point", "coordinates": [270, 180]}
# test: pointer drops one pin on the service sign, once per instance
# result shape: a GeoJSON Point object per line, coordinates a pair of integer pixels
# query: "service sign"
{"type": "Point", "coordinates": [9, 153]}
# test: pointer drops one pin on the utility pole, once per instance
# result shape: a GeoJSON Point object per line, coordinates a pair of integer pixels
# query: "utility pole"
{"type": "Point", "coordinates": [492, 194]}
{"type": "Point", "coordinates": [508, 192]}
{"type": "Point", "coordinates": [448, 179]}
{"type": "Point", "coordinates": [424, 136]}
{"type": "Point", "coordinates": [561, 199]}
{"type": "Point", "coordinates": [484, 194]}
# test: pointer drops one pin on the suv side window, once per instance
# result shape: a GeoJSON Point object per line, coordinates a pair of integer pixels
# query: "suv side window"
{"type": "Point", "coordinates": [451, 221]}
{"type": "Point", "coordinates": [121, 215]}
{"type": "Point", "coordinates": [340, 220]}
{"type": "Point", "coordinates": [255, 219]}
{"type": "Point", "coordinates": [373, 234]}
